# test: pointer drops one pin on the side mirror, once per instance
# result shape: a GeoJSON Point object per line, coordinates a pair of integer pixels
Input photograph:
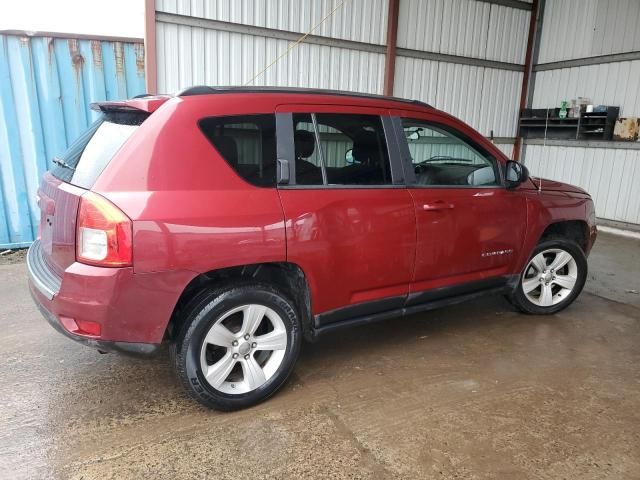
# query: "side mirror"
{"type": "Point", "coordinates": [516, 173]}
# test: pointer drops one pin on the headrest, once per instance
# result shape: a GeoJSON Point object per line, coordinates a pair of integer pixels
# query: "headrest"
{"type": "Point", "coordinates": [305, 143]}
{"type": "Point", "coordinates": [228, 149]}
{"type": "Point", "coordinates": [365, 147]}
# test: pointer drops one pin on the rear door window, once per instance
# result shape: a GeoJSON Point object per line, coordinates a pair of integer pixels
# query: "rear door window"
{"type": "Point", "coordinates": [247, 143]}
{"type": "Point", "coordinates": [89, 154]}
{"type": "Point", "coordinates": [340, 149]}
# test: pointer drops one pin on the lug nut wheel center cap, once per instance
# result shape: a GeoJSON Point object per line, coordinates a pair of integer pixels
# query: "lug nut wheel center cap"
{"type": "Point", "coordinates": [244, 348]}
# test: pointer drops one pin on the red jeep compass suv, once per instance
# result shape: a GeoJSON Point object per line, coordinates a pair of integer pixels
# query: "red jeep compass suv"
{"type": "Point", "coordinates": [235, 222]}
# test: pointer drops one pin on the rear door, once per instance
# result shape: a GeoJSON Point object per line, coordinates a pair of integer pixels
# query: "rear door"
{"type": "Point", "coordinates": [350, 220]}
{"type": "Point", "coordinates": [469, 226]}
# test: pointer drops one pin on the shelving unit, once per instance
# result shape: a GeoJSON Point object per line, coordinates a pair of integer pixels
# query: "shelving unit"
{"type": "Point", "coordinates": [546, 123]}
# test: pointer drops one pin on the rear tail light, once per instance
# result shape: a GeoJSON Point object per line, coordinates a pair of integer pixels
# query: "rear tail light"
{"type": "Point", "coordinates": [104, 234]}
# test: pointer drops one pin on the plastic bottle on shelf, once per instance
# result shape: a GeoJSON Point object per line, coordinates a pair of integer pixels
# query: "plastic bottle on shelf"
{"type": "Point", "coordinates": [563, 109]}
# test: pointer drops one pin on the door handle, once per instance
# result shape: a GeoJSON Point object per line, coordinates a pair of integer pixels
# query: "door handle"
{"type": "Point", "coordinates": [437, 206]}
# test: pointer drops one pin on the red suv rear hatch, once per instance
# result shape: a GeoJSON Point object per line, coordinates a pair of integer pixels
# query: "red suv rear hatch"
{"type": "Point", "coordinates": [74, 172]}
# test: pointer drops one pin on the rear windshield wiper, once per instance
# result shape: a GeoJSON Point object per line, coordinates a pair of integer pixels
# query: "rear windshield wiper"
{"type": "Point", "coordinates": [62, 163]}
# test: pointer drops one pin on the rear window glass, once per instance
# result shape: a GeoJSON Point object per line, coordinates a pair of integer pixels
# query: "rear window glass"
{"type": "Point", "coordinates": [90, 153]}
{"type": "Point", "coordinates": [247, 143]}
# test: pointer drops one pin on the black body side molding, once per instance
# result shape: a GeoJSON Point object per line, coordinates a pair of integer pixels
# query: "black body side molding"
{"type": "Point", "coordinates": [370, 312]}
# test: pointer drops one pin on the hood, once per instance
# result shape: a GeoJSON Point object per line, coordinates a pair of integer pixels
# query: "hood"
{"type": "Point", "coordinates": [554, 186]}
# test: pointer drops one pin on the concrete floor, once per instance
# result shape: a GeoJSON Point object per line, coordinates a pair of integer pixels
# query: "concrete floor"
{"type": "Point", "coordinates": [475, 391]}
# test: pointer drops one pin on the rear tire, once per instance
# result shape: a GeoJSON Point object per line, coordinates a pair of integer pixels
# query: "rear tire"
{"type": "Point", "coordinates": [552, 279]}
{"type": "Point", "coordinates": [237, 345]}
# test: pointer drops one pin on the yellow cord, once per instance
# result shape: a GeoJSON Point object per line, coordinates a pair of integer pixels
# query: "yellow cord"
{"type": "Point", "coordinates": [298, 42]}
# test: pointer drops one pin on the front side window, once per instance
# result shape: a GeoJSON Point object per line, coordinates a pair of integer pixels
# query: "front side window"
{"type": "Point", "coordinates": [340, 149]}
{"type": "Point", "coordinates": [247, 143]}
{"type": "Point", "coordinates": [442, 158]}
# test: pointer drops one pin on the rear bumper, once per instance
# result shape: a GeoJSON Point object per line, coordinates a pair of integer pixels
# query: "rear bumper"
{"type": "Point", "coordinates": [132, 310]}
{"type": "Point", "coordinates": [129, 348]}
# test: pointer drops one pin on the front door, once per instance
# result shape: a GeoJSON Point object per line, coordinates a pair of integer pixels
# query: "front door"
{"type": "Point", "coordinates": [350, 221]}
{"type": "Point", "coordinates": [469, 226]}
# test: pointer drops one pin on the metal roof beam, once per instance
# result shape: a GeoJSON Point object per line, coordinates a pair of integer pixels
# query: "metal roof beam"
{"type": "Point", "coordinates": [510, 3]}
{"type": "Point", "coordinates": [583, 143]}
{"type": "Point", "coordinates": [583, 62]}
{"type": "Point", "coordinates": [442, 57]}
{"type": "Point", "coordinates": [231, 27]}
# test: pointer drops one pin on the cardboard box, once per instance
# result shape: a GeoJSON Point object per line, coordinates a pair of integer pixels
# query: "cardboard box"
{"type": "Point", "coordinates": [627, 129]}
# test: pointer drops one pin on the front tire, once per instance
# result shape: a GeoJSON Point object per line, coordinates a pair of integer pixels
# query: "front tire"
{"type": "Point", "coordinates": [237, 345]}
{"type": "Point", "coordinates": [553, 278]}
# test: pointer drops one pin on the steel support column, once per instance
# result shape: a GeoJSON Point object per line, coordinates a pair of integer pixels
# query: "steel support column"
{"type": "Point", "coordinates": [528, 61]}
{"type": "Point", "coordinates": [390, 56]}
{"type": "Point", "coordinates": [150, 58]}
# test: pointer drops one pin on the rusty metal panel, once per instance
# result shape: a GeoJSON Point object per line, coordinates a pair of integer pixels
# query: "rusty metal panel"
{"type": "Point", "coordinates": [611, 176]}
{"type": "Point", "coordinates": [46, 86]}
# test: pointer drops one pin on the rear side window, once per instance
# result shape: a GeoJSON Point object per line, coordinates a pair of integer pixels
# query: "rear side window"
{"type": "Point", "coordinates": [89, 154]}
{"type": "Point", "coordinates": [247, 143]}
{"type": "Point", "coordinates": [340, 149]}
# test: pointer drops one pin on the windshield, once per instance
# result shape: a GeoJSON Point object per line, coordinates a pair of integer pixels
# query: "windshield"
{"type": "Point", "coordinates": [90, 153]}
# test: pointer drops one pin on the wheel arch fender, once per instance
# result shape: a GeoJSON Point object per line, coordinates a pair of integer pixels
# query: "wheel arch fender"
{"type": "Point", "coordinates": [289, 278]}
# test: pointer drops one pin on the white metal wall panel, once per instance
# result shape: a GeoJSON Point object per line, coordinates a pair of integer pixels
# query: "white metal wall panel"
{"type": "Point", "coordinates": [191, 56]}
{"type": "Point", "coordinates": [585, 28]}
{"type": "Point", "coordinates": [467, 28]}
{"type": "Point", "coordinates": [485, 98]}
{"type": "Point", "coordinates": [500, 99]}
{"type": "Point", "coordinates": [608, 84]}
{"type": "Point", "coordinates": [416, 79]}
{"type": "Point", "coordinates": [357, 20]}
{"type": "Point", "coordinates": [507, 34]}
{"type": "Point", "coordinates": [506, 148]}
{"type": "Point", "coordinates": [611, 176]}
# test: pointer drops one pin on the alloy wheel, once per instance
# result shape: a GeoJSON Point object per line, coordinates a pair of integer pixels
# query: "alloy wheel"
{"type": "Point", "coordinates": [243, 349]}
{"type": "Point", "coordinates": [550, 277]}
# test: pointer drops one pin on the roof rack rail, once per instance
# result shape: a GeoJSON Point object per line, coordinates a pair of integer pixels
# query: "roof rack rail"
{"type": "Point", "coordinates": [207, 90]}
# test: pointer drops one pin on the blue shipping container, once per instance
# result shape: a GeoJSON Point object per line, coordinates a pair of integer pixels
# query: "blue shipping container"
{"type": "Point", "coordinates": [46, 87]}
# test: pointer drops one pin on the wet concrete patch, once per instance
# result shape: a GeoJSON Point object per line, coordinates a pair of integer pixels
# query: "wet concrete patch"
{"type": "Point", "coordinates": [475, 391]}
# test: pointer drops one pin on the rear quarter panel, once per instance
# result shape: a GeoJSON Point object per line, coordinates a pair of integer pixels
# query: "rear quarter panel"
{"type": "Point", "coordinates": [190, 210]}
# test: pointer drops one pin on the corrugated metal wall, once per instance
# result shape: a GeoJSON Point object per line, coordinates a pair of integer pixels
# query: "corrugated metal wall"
{"type": "Point", "coordinates": [466, 28]}
{"type": "Point", "coordinates": [485, 97]}
{"type": "Point", "coordinates": [190, 55]}
{"type": "Point", "coordinates": [611, 176]}
{"type": "Point", "coordinates": [46, 86]}
{"type": "Point", "coordinates": [585, 28]}
{"type": "Point", "coordinates": [577, 29]}
{"type": "Point", "coordinates": [574, 29]}
{"type": "Point", "coordinates": [607, 84]}
{"type": "Point", "coordinates": [359, 20]}
{"type": "Point", "coordinates": [195, 56]}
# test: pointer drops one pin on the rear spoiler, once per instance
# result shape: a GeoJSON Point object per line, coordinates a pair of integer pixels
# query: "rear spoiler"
{"type": "Point", "coordinates": [146, 103]}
